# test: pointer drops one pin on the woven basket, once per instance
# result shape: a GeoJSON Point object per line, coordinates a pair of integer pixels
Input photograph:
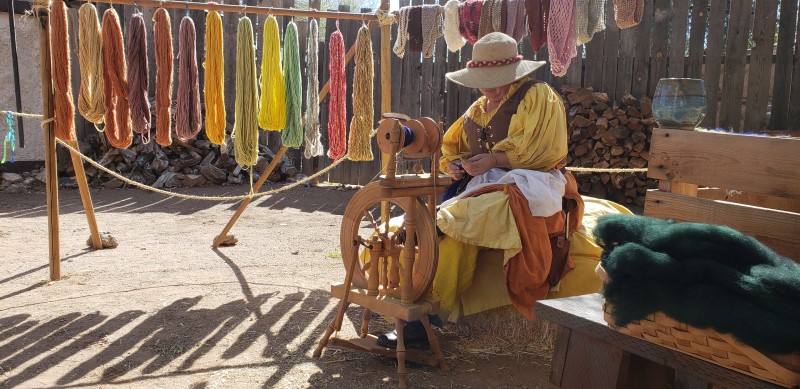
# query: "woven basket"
{"type": "Point", "coordinates": [712, 346]}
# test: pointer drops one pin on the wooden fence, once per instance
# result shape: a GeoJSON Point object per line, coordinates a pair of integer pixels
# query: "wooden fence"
{"type": "Point", "coordinates": [745, 51]}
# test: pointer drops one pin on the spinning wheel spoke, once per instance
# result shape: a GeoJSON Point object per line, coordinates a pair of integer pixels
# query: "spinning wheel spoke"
{"type": "Point", "coordinates": [381, 267]}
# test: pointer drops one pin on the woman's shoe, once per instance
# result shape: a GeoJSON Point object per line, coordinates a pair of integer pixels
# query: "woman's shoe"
{"type": "Point", "coordinates": [415, 336]}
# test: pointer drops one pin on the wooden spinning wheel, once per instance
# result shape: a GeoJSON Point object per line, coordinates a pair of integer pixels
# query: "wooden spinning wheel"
{"type": "Point", "coordinates": [389, 242]}
{"type": "Point", "coordinates": [369, 240]}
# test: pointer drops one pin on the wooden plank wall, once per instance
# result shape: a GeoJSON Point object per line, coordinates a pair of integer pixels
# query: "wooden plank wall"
{"type": "Point", "coordinates": [740, 52]}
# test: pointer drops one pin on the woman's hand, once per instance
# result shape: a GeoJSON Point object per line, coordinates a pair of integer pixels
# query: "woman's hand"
{"type": "Point", "coordinates": [479, 164]}
{"type": "Point", "coordinates": [455, 171]}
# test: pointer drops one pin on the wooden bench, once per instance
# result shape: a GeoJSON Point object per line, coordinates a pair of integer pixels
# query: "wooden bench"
{"type": "Point", "coordinates": [750, 183]}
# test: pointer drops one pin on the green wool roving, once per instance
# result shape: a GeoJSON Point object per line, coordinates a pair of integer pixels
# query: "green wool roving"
{"type": "Point", "coordinates": [703, 275]}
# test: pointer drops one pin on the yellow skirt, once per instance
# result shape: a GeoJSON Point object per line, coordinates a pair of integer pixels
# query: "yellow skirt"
{"type": "Point", "coordinates": [470, 277]}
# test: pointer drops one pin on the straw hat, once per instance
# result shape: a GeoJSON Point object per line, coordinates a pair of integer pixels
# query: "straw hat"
{"type": "Point", "coordinates": [495, 62]}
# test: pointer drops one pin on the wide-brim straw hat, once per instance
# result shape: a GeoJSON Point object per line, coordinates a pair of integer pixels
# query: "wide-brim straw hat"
{"type": "Point", "coordinates": [495, 63]}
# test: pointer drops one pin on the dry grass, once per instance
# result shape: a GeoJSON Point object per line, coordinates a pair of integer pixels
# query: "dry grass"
{"type": "Point", "coordinates": [503, 331]}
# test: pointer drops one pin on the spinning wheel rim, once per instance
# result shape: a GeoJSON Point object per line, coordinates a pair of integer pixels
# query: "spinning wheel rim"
{"type": "Point", "coordinates": [427, 243]}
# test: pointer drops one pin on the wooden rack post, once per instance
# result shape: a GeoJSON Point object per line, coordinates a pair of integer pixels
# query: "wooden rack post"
{"type": "Point", "coordinates": [86, 197]}
{"type": "Point", "coordinates": [50, 159]}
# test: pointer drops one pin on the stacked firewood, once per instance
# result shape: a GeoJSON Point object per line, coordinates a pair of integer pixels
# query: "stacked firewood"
{"type": "Point", "coordinates": [606, 134]}
{"type": "Point", "coordinates": [191, 163]}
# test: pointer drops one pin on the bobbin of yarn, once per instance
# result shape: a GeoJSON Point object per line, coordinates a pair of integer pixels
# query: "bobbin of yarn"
{"type": "Point", "coordinates": [419, 138]}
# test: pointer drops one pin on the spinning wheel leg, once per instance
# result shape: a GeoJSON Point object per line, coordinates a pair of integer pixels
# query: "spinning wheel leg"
{"type": "Point", "coordinates": [365, 322]}
{"type": "Point", "coordinates": [336, 325]}
{"type": "Point", "coordinates": [434, 341]}
{"type": "Point", "coordinates": [401, 354]}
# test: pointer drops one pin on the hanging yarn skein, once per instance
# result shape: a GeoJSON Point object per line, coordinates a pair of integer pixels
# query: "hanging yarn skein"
{"type": "Point", "coordinates": [90, 59]}
{"type": "Point", "coordinates": [214, 87]}
{"type": "Point", "coordinates": [245, 125]}
{"type": "Point", "coordinates": [138, 78]}
{"type": "Point", "coordinates": [292, 135]}
{"type": "Point", "coordinates": [115, 84]}
{"type": "Point", "coordinates": [162, 25]}
{"type": "Point", "coordinates": [272, 105]}
{"type": "Point", "coordinates": [452, 36]}
{"type": "Point", "coordinates": [561, 36]}
{"type": "Point", "coordinates": [337, 116]}
{"type": "Point", "coordinates": [313, 138]}
{"type": "Point", "coordinates": [538, 12]}
{"type": "Point", "coordinates": [63, 107]}
{"type": "Point", "coordinates": [9, 138]}
{"type": "Point", "coordinates": [187, 115]}
{"type": "Point", "coordinates": [363, 111]}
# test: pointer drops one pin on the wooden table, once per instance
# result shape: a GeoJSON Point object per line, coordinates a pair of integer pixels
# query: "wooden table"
{"type": "Point", "coordinates": [589, 354]}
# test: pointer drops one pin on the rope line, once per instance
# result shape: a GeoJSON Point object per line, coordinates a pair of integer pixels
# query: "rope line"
{"type": "Point", "coordinates": [25, 115]}
{"type": "Point", "coordinates": [605, 170]}
{"type": "Point", "coordinates": [260, 194]}
{"type": "Point", "coordinates": [194, 197]}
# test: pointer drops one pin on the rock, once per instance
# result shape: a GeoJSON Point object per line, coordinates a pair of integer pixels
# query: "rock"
{"type": "Point", "coordinates": [173, 182]}
{"type": "Point", "coordinates": [191, 180]}
{"type": "Point", "coordinates": [15, 188]}
{"type": "Point", "coordinates": [213, 173]}
{"type": "Point", "coordinates": [191, 160]}
{"type": "Point", "coordinates": [67, 183]}
{"type": "Point", "coordinates": [42, 177]}
{"type": "Point", "coordinates": [108, 157]}
{"type": "Point", "coordinates": [209, 158]}
{"type": "Point", "coordinates": [28, 181]}
{"type": "Point", "coordinates": [163, 179]}
{"type": "Point", "coordinates": [114, 183]}
{"type": "Point", "coordinates": [202, 144]}
{"type": "Point", "coordinates": [12, 177]}
{"type": "Point", "coordinates": [261, 164]}
{"type": "Point", "coordinates": [159, 164]}
{"type": "Point", "coordinates": [235, 180]}
{"type": "Point", "coordinates": [128, 154]}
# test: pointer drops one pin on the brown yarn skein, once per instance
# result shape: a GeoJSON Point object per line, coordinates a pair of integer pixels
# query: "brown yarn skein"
{"type": "Point", "coordinates": [63, 106]}
{"type": "Point", "coordinates": [187, 116]}
{"type": "Point", "coordinates": [138, 79]}
{"type": "Point", "coordinates": [162, 25]}
{"type": "Point", "coordinates": [115, 87]}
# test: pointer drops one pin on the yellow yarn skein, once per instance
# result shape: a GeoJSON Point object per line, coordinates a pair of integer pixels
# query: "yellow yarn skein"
{"type": "Point", "coordinates": [361, 125]}
{"type": "Point", "coordinates": [245, 128]}
{"type": "Point", "coordinates": [90, 58]}
{"type": "Point", "coordinates": [214, 87]}
{"type": "Point", "coordinates": [272, 105]}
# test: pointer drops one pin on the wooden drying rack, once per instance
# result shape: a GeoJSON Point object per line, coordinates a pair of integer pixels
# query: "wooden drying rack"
{"type": "Point", "coordinates": [42, 7]}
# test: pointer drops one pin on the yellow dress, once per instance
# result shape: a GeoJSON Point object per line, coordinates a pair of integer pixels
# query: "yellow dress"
{"type": "Point", "coordinates": [481, 233]}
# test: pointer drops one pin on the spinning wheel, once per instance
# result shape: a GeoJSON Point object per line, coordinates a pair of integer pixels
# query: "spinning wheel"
{"type": "Point", "coordinates": [369, 240]}
{"type": "Point", "coordinates": [389, 242]}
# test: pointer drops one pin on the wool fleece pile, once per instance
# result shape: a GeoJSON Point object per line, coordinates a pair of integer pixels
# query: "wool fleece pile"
{"type": "Point", "coordinates": [703, 275]}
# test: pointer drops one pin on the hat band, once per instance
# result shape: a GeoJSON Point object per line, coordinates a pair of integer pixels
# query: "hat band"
{"type": "Point", "coordinates": [496, 62]}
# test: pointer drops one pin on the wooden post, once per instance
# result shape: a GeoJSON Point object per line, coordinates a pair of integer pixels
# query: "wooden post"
{"type": "Point", "coordinates": [265, 174]}
{"type": "Point", "coordinates": [50, 158]}
{"type": "Point", "coordinates": [86, 197]}
{"type": "Point", "coordinates": [386, 93]}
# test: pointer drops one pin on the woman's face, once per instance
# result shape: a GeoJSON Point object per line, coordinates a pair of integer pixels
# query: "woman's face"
{"type": "Point", "coordinates": [495, 94]}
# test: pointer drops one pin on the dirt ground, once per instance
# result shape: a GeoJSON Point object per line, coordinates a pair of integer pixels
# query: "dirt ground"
{"type": "Point", "coordinates": [164, 310]}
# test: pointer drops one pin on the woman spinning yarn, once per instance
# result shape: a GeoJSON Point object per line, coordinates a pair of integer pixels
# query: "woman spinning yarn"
{"type": "Point", "coordinates": [512, 194]}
